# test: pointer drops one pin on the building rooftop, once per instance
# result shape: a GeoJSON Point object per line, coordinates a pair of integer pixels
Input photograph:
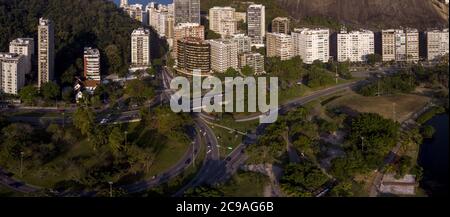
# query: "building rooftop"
{"type": "Point", "coordinates": [193, 40]}
{"type": "Point", "coordinates": [183, 25]}
{"type": "Point", "coordinates": [44, 22]}
{"type": "Point", "coordinates": [91, 51]}
{"type": "Point", "coordinates": [9, 56]}
{"type": "Point", "coordinates": [141, 31]}
{"type": "Point", "coordinates": [309, 31]}
{"type": "Point", "coordinates": [22, 41]}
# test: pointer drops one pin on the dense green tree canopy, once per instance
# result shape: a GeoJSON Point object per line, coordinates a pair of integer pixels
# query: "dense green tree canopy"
{"type": "Point", "coordinates": [81, 23]}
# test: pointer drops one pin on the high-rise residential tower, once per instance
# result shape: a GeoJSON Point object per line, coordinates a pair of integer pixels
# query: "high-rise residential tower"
{"type": "Point", "coordinates": [194, 54]}
{"type": "Point", "coordinates": [256, 23]}
{"type": "Point", "coordinates": [184, 30]}
{"type": "Point", "coordinates": [222, 20]}
{"type": "Point", "coordinates": [46, 51]}
{"type": "Point", "coordinates": [187, 11]}
{"type": "Point", "coordinates": [140, 48]}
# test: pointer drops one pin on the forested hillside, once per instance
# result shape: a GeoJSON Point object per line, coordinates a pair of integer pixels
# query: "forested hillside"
{"type": "Point", "coordinates": [78, 23]}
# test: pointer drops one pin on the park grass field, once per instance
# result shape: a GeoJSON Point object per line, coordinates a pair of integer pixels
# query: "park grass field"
{"type": "Point", "coordinates": [405, 104]}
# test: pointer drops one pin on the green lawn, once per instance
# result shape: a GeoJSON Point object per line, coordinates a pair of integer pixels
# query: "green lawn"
{"type": "Point", "coordinates": [169, 155]}
{"type": "Point", "coordinates": [245, 184]}
{"type": "Point", "coordinates": [405, 104]}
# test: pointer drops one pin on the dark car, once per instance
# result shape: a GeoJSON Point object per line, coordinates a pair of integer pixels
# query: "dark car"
{"type": "Point", "coordinates": [188, 161]}
{"type": "Point", "coordinates": [228, 159]}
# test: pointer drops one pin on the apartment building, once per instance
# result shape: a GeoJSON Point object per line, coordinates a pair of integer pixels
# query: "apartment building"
{"type": "Point", "coordinates": [281, 25]}
{"type": "Point", "coordinates": [91, 60]}
{"type": "Point", "coordinates": [25, 47]}
{"type": "Point", "coordinates": [254, 60]}
{"type": "Point", "coordinates": [186, 11]}
{"type": "Point", "coordinates": [193, 54]}
{"type": "Point", "coordinates": [256, 24]}
{"type": "Point", "coordinates": [279, 45]}
{"type": "Point", "coordinates": [46, 51]}
{"type": "Point", "coordinates": [12, 72]}
{"type": "Point", "coordinates": [140, 48]}
{"type": "Point", "coordinates": [224, 55]}
{"type": "Point", "coordinates": [355, 46]}
{"type": "Point", "coordinates": [311, 44]}
{"type": "Point", "coordinates": [222, 20]}
{"type": "Point", "coordinates": [437, 44]}
{"type": "Point", "coordinates": [184, 30]}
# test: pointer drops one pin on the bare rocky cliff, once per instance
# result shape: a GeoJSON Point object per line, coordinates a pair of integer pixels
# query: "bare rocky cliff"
{"type": "Point", "coordinates": [373, 13]}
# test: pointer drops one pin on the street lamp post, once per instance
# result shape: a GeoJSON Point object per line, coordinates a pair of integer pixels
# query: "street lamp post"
{"type": "Point", "coordinates": [362, 143]}
{"type": "Point", "coordinates": [110, 189]}
{"type": "Point", "coordinates": [21, 163]}
{"type": "Point", "coordinates": [193, 154]}
{"type": "Point", "coordinates": [126, 136]}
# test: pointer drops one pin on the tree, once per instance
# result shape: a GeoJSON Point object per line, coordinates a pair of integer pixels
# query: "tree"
{"type": "Point", "coordinates": [302, 179]}
{"type": "Point", "coordinates": [343, 189]}
{"type": "Point", "coordinates": [67, 78]}
{"type": "Point", "coordinates": [114, 58]}
{"type": "Point", "coordinates": [67, 94]}
{"type": "Point", "coordinates": [83, 119]}
{"type": "Point", "coordinates": [373, 58]}
{"type": "Point", "coordinates": [50, 91]}
{"type": "Point", "coordinates": [247, 70]}
{"type": "Point", "coordinates": [28, 94]}
{"type": "Point", "coordinates": [116, 140]}
{"type": "Point", "coordinates": [203, 192]}
{"type": "Point", "coordinates": [373, 137]}
{"type": "Point", "coordinates": [139, 90]}
{"type": "Point", "coordinates": [209, 34]}
{"type": "Point", "coordinates": [428, 131]}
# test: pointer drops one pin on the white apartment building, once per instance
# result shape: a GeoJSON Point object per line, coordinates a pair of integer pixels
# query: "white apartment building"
{"type": "Point", "coordinates": [158, 18]}
{"type": "Point", "coordinates": [254, 60]}
{"type": "Point", "coordinates": [437, 44]}
{"type": "Point", "coordinates": [25, 47]}
{"type": "Point", "coordinates": [311, 44]}
{"type": "Point", "coordinates": [355, 46]}
{"type": "Point", "coordinates": [46, 51]}
{"type": "Point", "coordinates": [12, 72]}
{"type": "Point", "coordinates": [279, 45]}
{"type": "Point", "coordinates": [91, 64]}
{"type": "Point", "coordinates": [123, 3]}
{"type": "Point", "coordinates": [224, 55]}
{"type": "Point", "coordinates": [256, 24]}
{"type": "Point", "coordinates": [222, 20]}
{"type": "Point", "coordinates": [185, 30]}
{"type": "Point", "coordinates": [244, 43]}
{"type": "Point", "coordinates": [136, 11]}
{"type": "Point", "coordinates": [140, 48]}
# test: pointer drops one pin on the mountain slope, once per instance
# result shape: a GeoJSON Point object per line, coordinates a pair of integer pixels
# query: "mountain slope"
{"type": "Point", "coordinates": [372, 13]}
